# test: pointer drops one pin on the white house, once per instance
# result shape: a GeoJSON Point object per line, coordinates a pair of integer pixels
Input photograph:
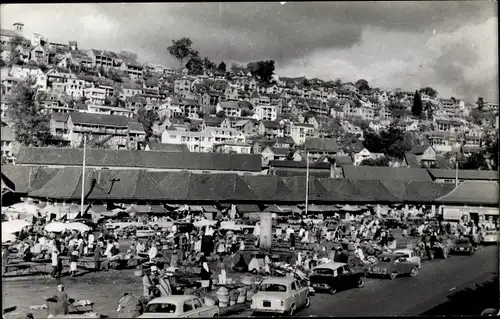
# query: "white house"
{"type": "Point", "coordinates": [266, 112]}
{"type": "Point", "coordinates": [301, 131]}
{"type": "Point", "coordinates": [365, 154]}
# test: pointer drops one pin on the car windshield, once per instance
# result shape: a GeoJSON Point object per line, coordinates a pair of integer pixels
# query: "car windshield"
{"type": "Point", "coordinates": [161, 308]}
{"type": "Point", "coordinates": [385, 259]}
{"type": "Point", "coordinates": [322, 271]}
{"type": "Point", "coordinates": [462, 241]}
{"type": "Point", "coordinates": [272, 288]}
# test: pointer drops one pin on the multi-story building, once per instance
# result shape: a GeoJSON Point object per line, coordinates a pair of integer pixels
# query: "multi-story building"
{"type": "Point", "coordinates": [130, 89]}
{"type": "Point", "coordinates": [270, 129]}
{"type": "Point", "coordinates": [266, 112]}
{"type": "Point", "coordinates": [133, 69]}
{"type": "Point", "coordinates": [7, 143]}
{"type": "Point", "coordinates": [102, 58]}
{"type": "Point", "coordinates": [109, 110]}
{"type": "Point", "coordinates": [109, 129]}
{"type": "Point", "coordinates": [183, 86]}
{"type": "Point", "coordinates": [301, 131]}
{"type": "Point", "coordinates": [230, 108]}
{"type": "Point", "coordinates": [233, 148]}
{"type": "Point", "coordinates": [195, 141]}
{"type": "Point", "coordinates": [189, 107]}
{"type": "Point", "coordinates": [95, 95]}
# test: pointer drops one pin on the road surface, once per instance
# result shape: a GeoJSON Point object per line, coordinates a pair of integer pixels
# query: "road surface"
{"type": "Point", "coordinates": [410, 296]}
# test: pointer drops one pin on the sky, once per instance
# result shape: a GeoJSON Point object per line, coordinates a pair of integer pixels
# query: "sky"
{"type": "Point", "coordinates": [449, 45]}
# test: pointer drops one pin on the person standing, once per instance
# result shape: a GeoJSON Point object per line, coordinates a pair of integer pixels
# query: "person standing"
{"type": "Point", "coordinates": [221, 269]}
{"type": "Point", "coordinates": [206, 273]}
{"type": "Point", "coordinates": [97, 257]}
{"type": "Point", "coordinates": [61, 302]}
{"type": "Point", "coordinates": [74, 263]}
{"type": "Point", "coordinates": [292, 241]}
{"type": "Point", "coordinates": [55, 261]}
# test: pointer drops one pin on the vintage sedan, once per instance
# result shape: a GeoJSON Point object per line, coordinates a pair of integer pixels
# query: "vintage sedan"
{"type": "Point", "coordinates": [410, 255]}
{"type": "Point", "coordinates": [179, 306]}
{"type": "Point", "coordinates": [489, 237]}
{"type": "Point", "coordinates": [392, 266]}
{"type": "Point", "coordinates": [281, 295]}
{"type": "Point", "coordinates": [333, 277]}
{"type": "Point", "coordinates": [144, 231]}
{"type": "Point", "coordinates": [462, 246]}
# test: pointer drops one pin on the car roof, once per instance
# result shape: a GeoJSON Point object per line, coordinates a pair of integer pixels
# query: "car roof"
{"type": "Point", "coordinates": [403, 250]}
{"type": "Point", "coordinates": [173, 299]}
{"type": "Point", "coordinates": [278, 280]}
{"type": "Point", "coordinates": [331, 266]}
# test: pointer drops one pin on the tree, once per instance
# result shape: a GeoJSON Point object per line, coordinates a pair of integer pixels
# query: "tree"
{"type": "Point", "coordinates": [180, 49]}
{"type": "Point", "coordinates": [362, 85]}
{"type": "Point", "coordinates": [382, 161]}
{"type": "Point", "coordinates": [208, 65]}
{"type": "Point", "coordinates": [429, 91]}
{"type": "Point", "coordinates": [416, 109]}
{"type": "Point", "coordinates": [31, 124]}
{"type": "Point", "coordinates": [337, 83]}
{"type": "Point", "coordinates": [476, 161]}
{"type": "Point", "coordinates": [15, 57]}
{"type": "Point", "coordinates": [392, 142]}
{"type": "Point", "coordinates": [147, 118]}
{"type": "Point", "coordinates": [127, 55]}
{"type": "Point", "coordinates": [195, 64]}
{"type": "Point", "coordinates": [306, 82]}
{"type": "Point", "coordinates": [480, 103]}
{"type": "Point", "coordinates": [221, 114]}
{"type": "Point", "coordinates": [222, 67]}
{"type": "Point", "coordinates": [492, 153]}
{"type": "Point", "coordinates": [428, 108]}
{"type": "Point", "coordinates": [263, 70]}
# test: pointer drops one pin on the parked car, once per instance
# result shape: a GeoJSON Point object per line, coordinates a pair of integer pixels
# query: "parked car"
{"type": "Point", "coordinates": [392, 223]}
{"type": "Point", "coordinates": [489, 237]}
{"type": "Point", "coordinates": [393, 265]}
{"type": "Point", "coordinates": [335, 276]}
{"type": "Point", "coordinates": [410, 256]}
{"type": "Point", "coordinates": [111, 224]}
{"type": "Point", "coordinates": [281, 295]}
{"type": "Point", "coordinates": [462, 246]}
{"type": "Point", "coordinates": [237, 227]}
{"type": "Point", "coordinates": [144, 231]}
{"type": "Point", "coordinates": [179, 306]}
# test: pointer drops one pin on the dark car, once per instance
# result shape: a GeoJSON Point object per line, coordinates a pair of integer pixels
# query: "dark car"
{"type": "Point", "coordinates": [392, 223]}
{"type": "Point", "coordinates": [462, 246]}
{"type": "Point", "coordinates": [393, 265]}
{"type": "Point", "coordinates": [333, 277]}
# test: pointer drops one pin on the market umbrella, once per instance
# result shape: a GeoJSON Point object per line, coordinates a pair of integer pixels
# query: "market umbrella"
{"type": "Point", "coordinates": [349, 208]}
{"type": "Point", "coordinates": [56, 227]}
{"type": "Point", "coordinates": [203, 222]}
{"type": "Point", "coordinates": [8, 238]}
{"type": "Point", "coordinates": [14, 226]}
{"type": "Point", "coordinates": [81, 227]}
{"type": "Point", "coordinates": [24, 208]}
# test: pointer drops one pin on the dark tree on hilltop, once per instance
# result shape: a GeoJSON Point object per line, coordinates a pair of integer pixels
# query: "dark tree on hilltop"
{"type": "Point", "coordinates": [480, 103]}
{"type": "Point", "coordinates": [476, 161]}
{"type": "Point", "coordinates": [429, 91]}
{"type": "Point", "coordinates": [181, 50]}
{"type": "Point", "coordinates": [263, 70]}
{"type": "Point", "coordinates": [195, 63]}
{"type": "Point", "coordinates": [208, 65]}
{"type": "Point", "coordinates": [31, 124]}
{"type": "Point", "coordinates": [362, 85]}
{"type": "Point", "coordinates": [337, 83]}
{"type": "Point", "coordinates": [222, 67]}
{"type": "Point", "coordinates": [391, 142]}
{"type": "Point", "coordinates": [306, 82]}
{"type": "Point", "coordinates": [416, 109]}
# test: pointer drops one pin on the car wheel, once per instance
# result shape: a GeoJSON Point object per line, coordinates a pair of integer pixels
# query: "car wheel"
{"type": "Point", "coordinates": [361, 282]}
{"type": "Point", "coordinates": [332, 291]}
{"type": "Point", "coordinates": [246, 231]}
{"type": "Point", "coordinates": [216, 315]}
{"type": "Point", "coordinates": [393, 275]}
{"type": "Point", "coordinates": [291, 312]}
{"type": "Point", "coordinates": [414, 272]}
{"type": "Point", "coordinates": [308, 302]}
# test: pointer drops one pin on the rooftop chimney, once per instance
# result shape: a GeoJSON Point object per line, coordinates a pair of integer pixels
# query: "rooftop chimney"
{"type": "Point", "coordinates": [18, 26]}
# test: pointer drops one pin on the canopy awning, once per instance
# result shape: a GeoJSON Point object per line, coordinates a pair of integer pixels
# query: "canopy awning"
{"type": "Point", "coordinates": [322, 208]}
{"type": "Point", "coordinates": [247, 208]}
{"type": "Point", "coordinates": [157, 209]}
{"type": "Point", "coordinates": [210, 209]}
{"type": "Point", "coordinates": [196, 208]}
{"type": "Point", "coordinates": [282, 209]}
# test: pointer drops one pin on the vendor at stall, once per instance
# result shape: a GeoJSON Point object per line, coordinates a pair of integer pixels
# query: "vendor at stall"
{"type": "Point", "coordinates": [61, 302]}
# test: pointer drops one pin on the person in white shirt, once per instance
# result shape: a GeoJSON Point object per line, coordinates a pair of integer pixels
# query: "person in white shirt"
{"type": "Point", "coordinates": [91, 242]}
{"type": "Point", "coordinates": [301, 232]}
{"type": "Point", "coordinates": [108, 250]}
{"type": "Point", "coordinates": [174, 229]}
{"type": "Point", "coordinates": [153, 251]}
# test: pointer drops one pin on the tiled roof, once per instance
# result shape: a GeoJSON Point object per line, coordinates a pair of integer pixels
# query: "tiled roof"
{"type": "Point", "coordinates": [135, 127]}
{"type": "Point", "coordinates": [162, 147]}
{"type": "Point", "coordinates": [285, 139]}
{"type": "Point", "coordinates": [8, 33]}
{"type": "Point", "coordinates": [59, 117]}
{"type": "Point", "coordinates": [385, 173]}
{"type": "Point", "coordinates": [463, 174]}
{"type": "Point", "coordinates": [280, 150]}
{"type": "Point", "coordinates": [26, 178]}
{"type": "Point", "coordinates": [419, 149]}
{"type": "Point", "coordinates": [417, 192]}
{"type": "Point", "coordinates": [411, 160]}
{"type": "Point", "coordinates": [214, 121]}
{"type": "Point", "coordinates": [140, 159]}
{"type": "Point", "coordinates": [229, 105]}
{"type": "Point", "coordinates": [271, 124]}
{"type": "Point", "coordinates": [473, 192]}
{"type": "Point", "coordinates": [300, 164]}
{"type": "Point", "coordinates": [321, 144]}
{"type": "Point", "coordinates": [99, 119]}
{"type": "Point", "coordinates": [188, 102]}
{"type": "Point", "coordinates": [341, 160]}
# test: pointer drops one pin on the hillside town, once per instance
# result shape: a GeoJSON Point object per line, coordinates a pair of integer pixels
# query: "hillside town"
{"type": "Point", "coordinates": [208, 189]}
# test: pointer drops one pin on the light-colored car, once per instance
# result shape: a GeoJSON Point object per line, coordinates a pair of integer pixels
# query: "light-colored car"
{"type": "Point", "coordinates": [237, 227]}
{"type": "Point", "coordinates": [144, 231]}
{"type": "Point", "coordinates": [120, 225]}
{"type": "Point", "coordinates": [489, 237]}
{"type": "Point", "coordinates": [282, 295]}
{"type": "Point", "coordinates": [410, 255]}
{"type": "Point", "coordinates": [179, 306]}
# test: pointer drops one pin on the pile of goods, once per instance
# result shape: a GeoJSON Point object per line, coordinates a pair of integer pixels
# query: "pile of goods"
{"type": "Point", "coordinates": [232, 294]}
